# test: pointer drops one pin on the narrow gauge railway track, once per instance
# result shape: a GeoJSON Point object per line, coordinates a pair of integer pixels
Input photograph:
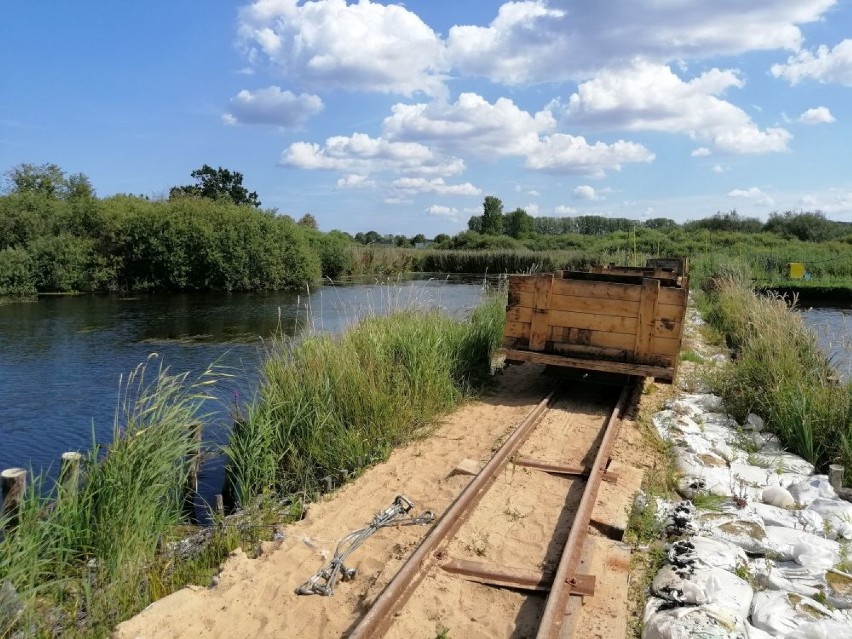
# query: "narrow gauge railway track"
{"type": "Point", "coordinates": [582, 473]}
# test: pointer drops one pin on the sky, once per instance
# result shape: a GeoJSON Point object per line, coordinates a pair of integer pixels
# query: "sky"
{"type": "Point", "coordinates": [402, 117]}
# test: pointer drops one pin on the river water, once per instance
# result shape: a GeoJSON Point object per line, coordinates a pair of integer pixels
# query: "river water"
{"type": "Point", "coordinates": [61, 358]}
{"type": "Point", "coordinates": [833, 328]}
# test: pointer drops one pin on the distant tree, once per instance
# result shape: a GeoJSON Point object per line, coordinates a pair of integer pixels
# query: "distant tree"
{"type": "Point", "coordinates": [660, 223]}
{"type": "Point", "coordinates": [418, 239]}
{"type": "Point", "coordinates": [217, 184]}
{"type": "Point", "coordinates": [492, 216]}
{"type": "Point", "coordinates": [41, 179]}
{"type": "Point", "coordinates": [440, 238]}
{"type": "Point", "coordinates": [308, 221]}
{"type": "Point", "coordinates": [79, 186]}
{"type": "Point", "coordinates": [475, 224]}
{"type": "Point", "coordinates": [518, 223]}
{"type": "Point", "coordinates": [372, 237]}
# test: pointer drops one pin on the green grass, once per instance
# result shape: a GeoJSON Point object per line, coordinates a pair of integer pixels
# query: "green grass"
{"type": "Point", "coordinates": [780, 373]}
{"type": "Point", "coordinates": [330, 406]}
{"type": "Point", "coordinates": [80, 556]}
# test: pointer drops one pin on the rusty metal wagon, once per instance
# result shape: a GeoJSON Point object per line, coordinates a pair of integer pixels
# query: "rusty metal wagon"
{"type": "Point", "coordinates": [623, 320]}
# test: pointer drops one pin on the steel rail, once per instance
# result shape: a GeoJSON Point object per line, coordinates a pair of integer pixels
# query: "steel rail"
{"type": "Point", "coordinates": [566, 573]}
{"type": "Point", "coordinates": [375, 623]}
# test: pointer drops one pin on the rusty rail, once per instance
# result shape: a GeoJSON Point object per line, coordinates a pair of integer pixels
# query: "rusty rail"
{"type": "Point", "coordinates": [561, 584]}
{"type": "Point", "coordinates": [378, 618]}
{"type": "Point", "coordinates": [565, 578]}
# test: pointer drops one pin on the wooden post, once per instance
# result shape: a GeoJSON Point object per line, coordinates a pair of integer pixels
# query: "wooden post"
{"type": "Point", "coordinates": [220, 506]}
{"type": "Point", "coordinates": [69, 472]}
{"type": "Point", "coordinates": [835, 477]}
{"type": "Point", "coordinates": [14, 483]}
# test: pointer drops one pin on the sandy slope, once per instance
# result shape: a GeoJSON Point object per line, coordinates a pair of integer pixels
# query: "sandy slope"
{"type": "Point", "coordinates": [255, 598]}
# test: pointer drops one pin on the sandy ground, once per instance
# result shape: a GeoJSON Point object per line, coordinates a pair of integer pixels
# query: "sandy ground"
{"type": "Point", "coordinates": [255, 597]}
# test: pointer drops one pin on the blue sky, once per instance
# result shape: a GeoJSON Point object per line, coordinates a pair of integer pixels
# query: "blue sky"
{"type": "Point", "coordinates": [401, 117]}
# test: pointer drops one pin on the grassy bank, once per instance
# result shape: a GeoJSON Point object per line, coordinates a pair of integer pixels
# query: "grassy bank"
{"type": "Point", "coordinates": [328, 407]}
{"type": "Point", "coordinates": [82, 557]}
{"type": "Point", "coordinates": [780, 373]}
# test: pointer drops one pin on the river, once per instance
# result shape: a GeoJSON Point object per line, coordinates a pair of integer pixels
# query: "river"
{"type": "Point", "coordinates": [62, 358]}
{"type": "Point", "coordinates": [833, 328]}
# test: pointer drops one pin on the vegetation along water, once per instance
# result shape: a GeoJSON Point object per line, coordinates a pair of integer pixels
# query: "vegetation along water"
{"type": "Point", "coordinates": [79, 555]}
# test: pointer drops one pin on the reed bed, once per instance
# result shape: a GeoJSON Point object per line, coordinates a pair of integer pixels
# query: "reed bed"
{"type": "Point", "coordinates": [81, 555]}
{"type": "Point", "coordinates": [330, 406]}
{"type": "Point", "coordinates": [780, 372]}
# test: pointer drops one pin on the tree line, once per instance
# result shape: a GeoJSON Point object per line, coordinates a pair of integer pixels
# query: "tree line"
{"type": "Point", "coordinates": [57, 235]}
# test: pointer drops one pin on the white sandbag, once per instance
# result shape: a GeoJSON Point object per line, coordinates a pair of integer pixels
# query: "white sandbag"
{"type": "Point", "coordinates": [744, 529]}
{"type": "Point", "coordinates": [773, 515]}
{"type": "Point", "coordinates": [684, 407]}
{"type": "Point", "coordinates": [778, 497]}
{"type": "Point", "coordinates": [782, 613]}
{"type": "Point", "coordinates": [787, 576]}
{"type": "Point", "coordinates": [663, 421]}
{"type": "Point", "coordinates": [706, 551]}
{"type": "Point", "coordinates": [806, 549]}
{"type": "Point", "coordinates": [754, 422]}
{"type": "Point", "coordinates": [755, 476]}
{"type": "Point", "coordinates": [705, 402]}
{"type": "Point", "coordinates": [710, 469]}
{"type": "Point", "coordinates": [720, 419]}
{"type": "Point", "coordinates": [724, 450]}
{"type": "Point", "coordinates": [815, 487]}
{"type": "Point", "coordinates": [837, 515]}
{"type": "Point", "coordinates": [782, 462]}
{"type": "Point", "coordinates": [688, 622]}
{"type": "Point", "coordinates": [827, 629]}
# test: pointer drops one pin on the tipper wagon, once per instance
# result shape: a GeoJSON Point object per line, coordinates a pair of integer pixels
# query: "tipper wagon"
{"type": "Point", "coordinates": [624, 320]}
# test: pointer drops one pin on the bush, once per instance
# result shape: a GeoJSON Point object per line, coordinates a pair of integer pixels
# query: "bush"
{"type": "Point", "coordinates": [16, 273]}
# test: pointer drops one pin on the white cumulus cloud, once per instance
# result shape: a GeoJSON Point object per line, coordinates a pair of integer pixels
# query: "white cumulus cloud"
{"type": "Point", "coordinates": [355, 181]}
{"type": "Point", "coordinates": [701, 152]}
{"type": "Point", "coordinates": [817, 115]}
{"type": "Point", "coordinates": [362, 46]}
{"type": "Point", "coordinates": [650, 97]}
{"type": "Point", "coordinates": [272, 106]}
{"type": "Point", "coordinates": [586, 192]}
{"type": "Point", "coordinates": [435, 185]}
{"type": "Point", "coordinates": [570, 154]}
{"type": "Point", "coordinates": [439, 210]}
{"type": "Point", "coordinates": [829, 66]}
{"type": "Point", "coordinates": [362, 154]}
{"type": "Point", "coordinates": [531, 42]}
{"type": "Point", "coordinates": [470, 124]}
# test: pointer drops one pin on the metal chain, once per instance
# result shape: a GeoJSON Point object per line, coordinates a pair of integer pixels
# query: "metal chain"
{"type": "Point", "coordinates": [322, 583]}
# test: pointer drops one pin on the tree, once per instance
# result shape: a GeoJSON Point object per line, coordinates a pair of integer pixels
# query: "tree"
{"type": "Point", "coordinates": [518, 223]}
{"type": "Point", "coordinates": [418, 239]}
{"type": "Point", "coordinates": [216, 184]}
{"type": "Point", "coordinates": [308, 221]}
{"type": "Point", "coordinates": [440, 238]}
{"type": "Point", "coordinates": [42, 179]}
{"type": "Point", "coordinates": [492, 216]}
{"type": "Point", "coordinates": [475, 224]}
{"type": "Point", "coordinates": [79, 186]}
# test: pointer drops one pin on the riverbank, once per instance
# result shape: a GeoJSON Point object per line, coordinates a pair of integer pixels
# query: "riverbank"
{"type": "Point", "coordinates": [76, 562]}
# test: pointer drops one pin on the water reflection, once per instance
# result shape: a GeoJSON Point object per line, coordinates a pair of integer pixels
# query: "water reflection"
{"type": "Point", "coordinates": [61, 358]}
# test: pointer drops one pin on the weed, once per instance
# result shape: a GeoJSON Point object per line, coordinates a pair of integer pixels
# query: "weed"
{"type": "Point", "coordinates": [708, 501]}
{"type": "Point", "coordinates": [443, 633]}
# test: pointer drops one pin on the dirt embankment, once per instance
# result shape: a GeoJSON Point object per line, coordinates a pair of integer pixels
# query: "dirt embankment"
{"type": "Point", "coordinates": [255, 597]}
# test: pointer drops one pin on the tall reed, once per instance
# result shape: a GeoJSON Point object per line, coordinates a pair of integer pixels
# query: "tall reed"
{"type": "Point", "coordinates": [83, 553]}
{"type": "Point", "coordinates": [781, 373]}
{"type": "Point", "coordinates": [330, 405]}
